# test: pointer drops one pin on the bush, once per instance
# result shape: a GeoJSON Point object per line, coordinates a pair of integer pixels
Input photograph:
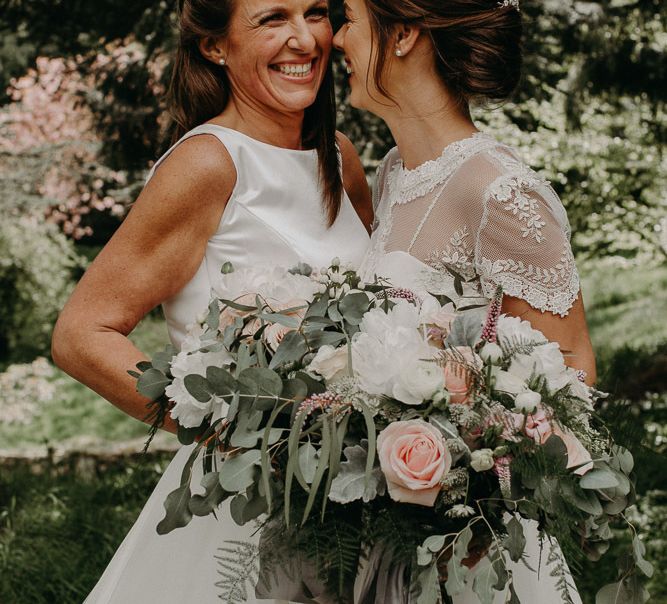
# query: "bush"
{"type": "Point", "coordinates": [36, 277]}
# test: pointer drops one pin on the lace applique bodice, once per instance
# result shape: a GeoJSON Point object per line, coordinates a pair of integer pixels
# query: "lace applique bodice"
{"type": "Point", "coordinates": [480, 213]}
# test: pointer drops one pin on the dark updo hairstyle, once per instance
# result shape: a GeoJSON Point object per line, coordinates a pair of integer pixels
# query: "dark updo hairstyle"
{"type": "Point", "coordinates": [477, 43]}
{"type": "Point", "coordinates": [200, 90]}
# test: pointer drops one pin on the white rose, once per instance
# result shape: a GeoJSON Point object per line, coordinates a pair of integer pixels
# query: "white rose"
{"type": "Point", "coordinates": [330, 362]}
{"type": "Point", "coordinates": [482, 460]}
{"type": "Point", "coordinates": [545, 360]}
{"type": "Point", "coordinates": [511, 329]}
{"type": "Point", "coordinates": [507, 382]}
{"type": "Point", "coordinates": [418, 382]}
{"type": "Point", "coordinates": [527, 401]}
{"type": "Point", "coordinates": [188, 411]}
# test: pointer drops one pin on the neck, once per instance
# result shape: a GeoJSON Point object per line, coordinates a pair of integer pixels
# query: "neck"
{"type": "Point", "coordinates": [424, 124]}
{"type": "Point", "coordinates": [281, 129]}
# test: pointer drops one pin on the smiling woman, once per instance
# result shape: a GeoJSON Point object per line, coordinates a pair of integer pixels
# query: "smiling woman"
{"type": "Point", "coordinates": [257, 176]}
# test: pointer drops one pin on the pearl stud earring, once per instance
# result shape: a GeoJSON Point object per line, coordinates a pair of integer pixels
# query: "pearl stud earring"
{"type": "Point", "coordinates": [399, 52]}
{"type": "Point", "coordinates": [222, 62]}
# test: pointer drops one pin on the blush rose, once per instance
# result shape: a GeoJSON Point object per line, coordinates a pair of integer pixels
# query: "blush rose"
{"type": "Point", "coordinates": [414, 458]}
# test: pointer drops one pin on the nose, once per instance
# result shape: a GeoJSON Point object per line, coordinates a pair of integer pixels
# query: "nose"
{"type": "Point", "coordinates": [302, 39]}
{"type": "Point", "coordinates": [339, 39]}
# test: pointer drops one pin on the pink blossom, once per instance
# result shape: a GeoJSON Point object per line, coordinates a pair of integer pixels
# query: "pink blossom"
{"type": "Point", "coordinates": [414, 458]}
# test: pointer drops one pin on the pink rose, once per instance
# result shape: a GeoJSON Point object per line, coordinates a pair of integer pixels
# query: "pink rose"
{"type": "Point", "coordinates": [414, 458]}
{"type": "Point", "coordinates": [538, 426]}
{"type": "Point", "coordinates": [457, 375]}
{"type": "Point", "coordinates": [577, 455]}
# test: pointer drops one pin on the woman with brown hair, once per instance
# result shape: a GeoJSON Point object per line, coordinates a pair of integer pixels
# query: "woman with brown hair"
{"type": "Point", "coordinates": [457, 212]}
{"type": "Point", "coordinates": [254, 177]}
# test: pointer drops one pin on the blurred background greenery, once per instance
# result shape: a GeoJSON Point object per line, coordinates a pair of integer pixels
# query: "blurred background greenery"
{"type": "Point", "coordinates": [81, 119]}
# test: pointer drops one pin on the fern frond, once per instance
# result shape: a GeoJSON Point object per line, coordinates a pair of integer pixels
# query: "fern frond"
{"type": "Point", "coordinates": [238, 567]}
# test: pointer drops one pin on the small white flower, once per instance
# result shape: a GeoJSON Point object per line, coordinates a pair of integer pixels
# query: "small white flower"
{"type": "Point", "coordinates": [482, 460]}
{"type": "Point", "coordinates": [460, 511]}
{"type": "Point", "coordinates": [337, 278]}
{"type": "Point", "coordinates": [527, 401]}
{"type": "Point", "coordinates": [335, 262]}
{"type": "Point", "coordinates": [491, 353]}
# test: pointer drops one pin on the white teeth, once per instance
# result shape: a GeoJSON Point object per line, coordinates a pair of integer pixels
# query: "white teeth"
{"type": "Point", "coordinates": [291, 69]}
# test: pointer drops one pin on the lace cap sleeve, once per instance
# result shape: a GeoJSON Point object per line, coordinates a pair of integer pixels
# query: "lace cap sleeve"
{"type": "Point", "coordinates": [523, 244]}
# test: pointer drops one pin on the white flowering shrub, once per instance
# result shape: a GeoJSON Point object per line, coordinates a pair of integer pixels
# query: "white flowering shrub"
{"type": "Point", "coordinates": [36, 277]}
{"type": "Point", "coordinates": [24, 389]}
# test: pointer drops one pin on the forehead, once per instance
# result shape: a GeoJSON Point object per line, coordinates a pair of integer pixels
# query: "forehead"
{"type": "Point", "coordinates": [252, 7]}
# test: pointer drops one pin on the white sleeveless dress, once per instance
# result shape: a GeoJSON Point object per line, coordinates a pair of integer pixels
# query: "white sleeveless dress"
{"type": "Point", "coordinates": [273, 217]}
{"type": "Point", "coordinates": [480, 212]}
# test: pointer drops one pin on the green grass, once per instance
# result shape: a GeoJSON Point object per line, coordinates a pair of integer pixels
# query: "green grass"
{"type": "Point", "coordinates": [78, 414]}
{"type": "Point", "coordinates": [625, 307]}
{"type": "Point", "coordinates": [57, 533]}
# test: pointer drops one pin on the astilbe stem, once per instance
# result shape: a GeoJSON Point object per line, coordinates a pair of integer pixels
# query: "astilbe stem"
{"type": "Point", "coordinates": [490, 330]}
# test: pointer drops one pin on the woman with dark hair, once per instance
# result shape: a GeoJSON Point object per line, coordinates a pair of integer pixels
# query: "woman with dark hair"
{"type": "Point", "coordinates": [254, 177]}
{"type": "Point", "coordinates": [451, 200]}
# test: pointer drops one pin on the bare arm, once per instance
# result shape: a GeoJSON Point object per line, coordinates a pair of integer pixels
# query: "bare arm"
{"type": "Point", "coordinates": [571, 332]}
{"type": "Point", "coordinates": [354, 180]}
{"type": "Point", "coordinates": [152, 256]}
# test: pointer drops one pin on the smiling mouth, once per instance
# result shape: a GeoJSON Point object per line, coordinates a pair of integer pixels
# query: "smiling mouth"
{"type": "Point", "coordinates": [294, 70]}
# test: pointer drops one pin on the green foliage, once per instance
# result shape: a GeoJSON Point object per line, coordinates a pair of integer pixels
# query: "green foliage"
{"type": "Point", "coordinates": [36, 277]}
{"type": "Point", "coordinates": [57, 533]}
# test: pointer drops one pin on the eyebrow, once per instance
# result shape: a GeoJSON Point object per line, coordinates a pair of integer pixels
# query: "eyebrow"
{"type": "Point", "coordinates": [278, 8]}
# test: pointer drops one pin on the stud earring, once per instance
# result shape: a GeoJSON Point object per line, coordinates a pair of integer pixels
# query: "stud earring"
{"type": "Point", "coordinates": [222, 62]}
{"type": "Point", "coordinates": [399, 52]}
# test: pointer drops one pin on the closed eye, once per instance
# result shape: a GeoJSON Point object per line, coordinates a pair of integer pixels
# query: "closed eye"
{"type": "Point", "coordinates": [272, 18]}
{"type": "Point", "coordinates": [321, 12]}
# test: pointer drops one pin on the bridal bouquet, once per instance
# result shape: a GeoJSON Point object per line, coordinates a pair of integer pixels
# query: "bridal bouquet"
{"type": "Point", "coordinates": [361, 423]}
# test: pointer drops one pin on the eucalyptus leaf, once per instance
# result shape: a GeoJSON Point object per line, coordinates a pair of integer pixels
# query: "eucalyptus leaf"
{"type": "Point", "coordinates": [162, 360]}
{"type": "Point", "coordinates": [214, 494]}
{"type": "Point", "coordinates": [638, 551]}
{"type": "Point", "coordinates": [152, 384]}
{"type": "Point", "coordinates": [555, 448]}
{"type": "Point", "coordinates": [282, 319]}
{"type": "Point", "coordinates": [294, 389]}
{"type": "Point", "coordinates": [325, 338]}
{"type": "Point", "coordinates": [629, 591]}
{"type": "Point", "coordinates": [515, 541]}
{"type": "Point", "coordinates": [457, 572]}
{"type": "Point", "coordinates": [199, 387]}
{"type": "Point", "coordinates": [239, 307]}
{"type": "Point", "coordinates": [353, 307]}
{"type": "Point", "coordinates": [485, 578]}
{"type": "Point", "coordinates": [429, 586]}
{"type": "Point", "coordinates": [268, 381]}
{"type": "Point", "coordinates": [221, 381]}
{"type": "Point", "coordinates": [292, 348]}
{"type": "Point", "coordinates": [237, 472]}
{"type": "Point", "coordinates": [236, 508]}
{"type": "Point", "coordinates": [177, 506]}
{"type": "Point", "coordinates": [599, 478]}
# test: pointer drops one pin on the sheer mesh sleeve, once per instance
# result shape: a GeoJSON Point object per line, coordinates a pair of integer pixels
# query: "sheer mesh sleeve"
{"type": "Point", "coordinates": [523, 244]}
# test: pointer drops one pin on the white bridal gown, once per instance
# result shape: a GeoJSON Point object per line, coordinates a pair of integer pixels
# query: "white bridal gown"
{"type": "Point", "coordinates": [273, 216]}
{"type": "Point", "coordinates": [480, 212]}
